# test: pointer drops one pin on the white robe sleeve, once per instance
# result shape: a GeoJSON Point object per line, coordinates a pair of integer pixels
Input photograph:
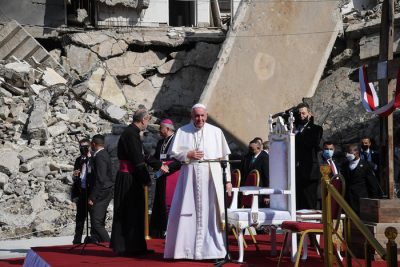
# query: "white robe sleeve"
{"type": "Point", "coordinates": [178, 151]}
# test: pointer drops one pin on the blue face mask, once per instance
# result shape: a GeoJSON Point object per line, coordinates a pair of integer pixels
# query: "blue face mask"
{"type": "Point", "coordinates": [327, 154]}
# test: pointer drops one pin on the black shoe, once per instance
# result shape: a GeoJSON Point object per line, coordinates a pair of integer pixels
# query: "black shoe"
{"type": "Point", "coordinates": [91, 240]}
{"type": "Point", "coordinates": [77, 241]}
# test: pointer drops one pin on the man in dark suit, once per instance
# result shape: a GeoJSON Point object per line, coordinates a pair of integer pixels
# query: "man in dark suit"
{"type": "Point", "coordinates": [369, 155]}
{"type": "Point", "coordinates": [360, 179]}
{"type": "Point", "coordinates": [101, 191]}
{"type": "Point", "coordinates": [80, 188]}
{"type": "Point", "coordinates": [327, 156]}
{"type": "Point", "coordinates": [257, 159]}
{"type": "Point", "coordinates": [308, 138]}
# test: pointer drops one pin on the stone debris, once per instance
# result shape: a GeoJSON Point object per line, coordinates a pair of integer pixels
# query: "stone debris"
{"type": "Point", "coordinates": [51, 77]}
{"type": "Point", "coordinates": [107, 78]}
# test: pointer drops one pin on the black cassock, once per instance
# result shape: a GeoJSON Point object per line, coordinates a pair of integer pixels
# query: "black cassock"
{"type": "Point", "coordinates": [127, 236]}
{"type": "Point", "coordinates": [159, 215]}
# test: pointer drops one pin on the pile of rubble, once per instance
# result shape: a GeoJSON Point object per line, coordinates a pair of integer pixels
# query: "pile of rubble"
{"type": "Point", "coordinates": [37, 111]}
{"type": "Point", "coordinates": [101, 78]}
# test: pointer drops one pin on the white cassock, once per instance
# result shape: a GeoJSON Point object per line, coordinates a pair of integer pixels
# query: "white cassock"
{"type": "Point", "coordinates": [195, 219]}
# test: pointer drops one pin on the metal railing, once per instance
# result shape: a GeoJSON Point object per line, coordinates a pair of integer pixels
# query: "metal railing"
{"type": "Point", "coordinates": [328, 191]}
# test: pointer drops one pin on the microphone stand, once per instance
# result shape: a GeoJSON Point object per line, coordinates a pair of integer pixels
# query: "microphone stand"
{"type": "Point", "coordinates": [224, 165]}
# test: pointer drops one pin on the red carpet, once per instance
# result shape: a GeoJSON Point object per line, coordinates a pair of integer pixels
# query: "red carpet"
{"type": "Point", "coordinates": [100, 256]}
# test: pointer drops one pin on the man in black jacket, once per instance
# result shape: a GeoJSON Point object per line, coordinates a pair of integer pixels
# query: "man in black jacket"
{"type": "Point", "coordinates": [101, 190]}
{"type": "Point", "coordinates": [360, 179]}
{"type": "Point", "coordinates": [80, 188]}
{"type": "Point", "coordinates": [256, 159]}
{"type": "Point", "coordinates": [308, 138]}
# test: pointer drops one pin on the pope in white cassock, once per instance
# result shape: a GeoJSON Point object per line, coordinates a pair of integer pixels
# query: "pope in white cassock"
{"type": "Point", "coordinates": [195, 223]}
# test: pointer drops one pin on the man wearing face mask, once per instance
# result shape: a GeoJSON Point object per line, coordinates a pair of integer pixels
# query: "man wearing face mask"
{"type": "Point", "coordinates": [326, 157]}
{"type": "Point", "coordinates": [81, 175]}
{"type": "Point", "coordinates": [360, 179]}
{"type": "Point", "coordinates": [308, 138]}
{"type": "Point", "coordinates": [369, 155]}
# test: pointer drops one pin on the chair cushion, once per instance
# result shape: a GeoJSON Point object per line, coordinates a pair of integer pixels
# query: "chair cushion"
{"type": "Point", "coordinates": [300, 226]}
{"type": "Point", "coordinates": [265, 216]}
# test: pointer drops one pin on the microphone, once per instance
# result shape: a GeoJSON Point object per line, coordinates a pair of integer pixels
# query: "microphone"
{"type": "Point", "coordinates": [74, 132]}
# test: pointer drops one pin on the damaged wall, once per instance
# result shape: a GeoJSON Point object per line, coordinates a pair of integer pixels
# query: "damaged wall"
{"type": "Point", "coordinates": [41, 12]}
{"type": "Point", "coordinates": [273, 56]}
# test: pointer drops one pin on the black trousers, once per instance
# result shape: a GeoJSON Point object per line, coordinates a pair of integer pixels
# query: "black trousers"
{"type": "Point", "coordinates": [98, 214]}
{"type": "Point", "coordinates": [80, 217]}
{"type": "Point", "coordinates": [306, 194]}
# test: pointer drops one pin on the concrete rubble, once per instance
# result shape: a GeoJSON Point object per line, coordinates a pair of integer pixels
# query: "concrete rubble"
{"type": "Point", "coordinates": [107, 76]}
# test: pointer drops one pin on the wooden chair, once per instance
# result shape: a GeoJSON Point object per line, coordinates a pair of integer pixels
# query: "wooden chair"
{"type": "Point", "coordinates": [305, 228]}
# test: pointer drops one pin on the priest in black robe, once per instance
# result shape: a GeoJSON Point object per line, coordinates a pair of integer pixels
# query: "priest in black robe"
{"type": "Point", "coordinates": [127, 236]}
{"type": "Point", "coordinates": [165, 184]}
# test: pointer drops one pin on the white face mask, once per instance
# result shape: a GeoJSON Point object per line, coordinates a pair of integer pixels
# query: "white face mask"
{"type": "Point", "coordinates": [350, 157]}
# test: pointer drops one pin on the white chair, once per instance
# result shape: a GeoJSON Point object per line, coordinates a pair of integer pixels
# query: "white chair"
{"type": "Point", "coordinates": [282, 189]}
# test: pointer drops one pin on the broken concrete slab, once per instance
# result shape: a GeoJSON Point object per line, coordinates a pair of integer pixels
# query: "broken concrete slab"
{"type": "Point", "coordinates": [81, 59]}
{"type": "Point", "coordinates": [135, 78]}
{"type": "Point", "coordinates": [74, 115]}
{"type": "Point", "coordinates": [260, 57]}
{"type": "Point", "coordinates": [19, 74]}
{"type": "Point", "coordinates": [106, 87]}
{"type": "Point", "coordinates": [27, 154]}
{"type": "Point", "coordinates": [133, 62]}
{"type": "Point", "coordinates": [21, 118]}
{"type": "Point", "coordinates": [36, 88]}
{"type": "Point", "coordinates": [369, 45]}
{"type": "Point", "coordinates": [90, 38]}
{"type": "Point", "coordinates": [57, 129]}
{"type": "Point", "coordinates": [110, 48]}
{"type": "Point", "coordinates": [40, 166]}
{"type": "Point", "coordinates": [37, 125]}
{"type": "Point", "coordinates": [9, 161]}
{"type": "Point", "coordinates": [143, 94]}
{"type": "Point", "coordinates": [51, 77]}
{"type": "Point", "coordinates": [114, 112]}
{"type": "Point", "coordinates": [62, 116]}
{"type": "Point", "coordinates": [16, 109]}
{"type": "Point", "coordinates": [4, 112]}
{"type": "Point", "coordinates": [357, 30]}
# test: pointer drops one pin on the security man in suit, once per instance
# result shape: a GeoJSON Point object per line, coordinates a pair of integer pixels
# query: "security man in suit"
{"type": "Point", "coordinates": [308, 138]}
{"type": "Point", "coordinates": [360, 179]}
{"type": "Point", "coordinates": [80, 188]}
{"type": "Point", "coordinates": [101, 191]}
